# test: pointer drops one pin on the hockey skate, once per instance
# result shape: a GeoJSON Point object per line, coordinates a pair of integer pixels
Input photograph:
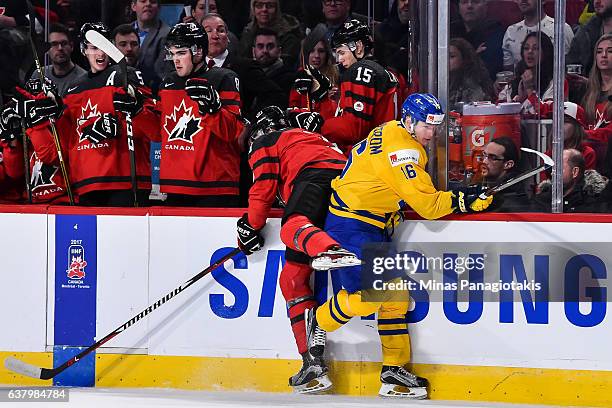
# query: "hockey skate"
{"type": "Point", "coordinates": [312, 377]}
{"type": "Point", "coordinates": [315, 336]}
{"type": "Point", "coordinates": [335, 257]}
{"type": "Point", "coordinates": [397, 382]}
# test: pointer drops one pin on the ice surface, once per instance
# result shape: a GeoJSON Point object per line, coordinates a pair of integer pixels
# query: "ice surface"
{"type": "Point", "coordinates": [163, 398]}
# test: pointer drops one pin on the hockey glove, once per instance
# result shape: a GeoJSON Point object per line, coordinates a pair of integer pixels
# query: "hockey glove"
{"type": "Point", "coordinates": [37, 108]}
{"type": "Point", "coordinates": [103, 127]}
{"type": "Point", "coordinates": [201, 91]}
{"type": "Point", "coordinates": [249, 239]}
{"type": "Point", "coordinates": [321, 84]}
{"type": "Point", "coordinates": [10, 123]}
{"type": "Point", "coordinates": [311, 121]}
{"type": "Point", "coordinates": [130, 102]}
{"type": "Point", "coordinates": [470, 199]}
{"type": "Point", "coordinates": [303, 83]}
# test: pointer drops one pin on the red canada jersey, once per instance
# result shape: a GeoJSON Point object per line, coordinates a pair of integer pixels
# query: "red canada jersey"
{"type": "Point", "coordinates": [46, 182]}
{"type": "Point", "coordinates": [368, 98]}
{"type": "Point", "coordinates": [277, 159]}
{"type": "Point", "coordinates": [104, 165]}
{"type": "Point", "coordinates": [200, 154]}
{"type": "Point", "coordinates": [12, 181]}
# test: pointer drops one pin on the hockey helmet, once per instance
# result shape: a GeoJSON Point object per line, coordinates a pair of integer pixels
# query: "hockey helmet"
{"type": "Point", "coordinates": [188, 35]}
{"type": "Point", "coordinates": [268, 119]}
{"type": "Point", "coordinates": [349, 33]}
{"type": "Point", "coordinates": [99, 27]}
{"type": "Point", "coordinates": [422, 108]}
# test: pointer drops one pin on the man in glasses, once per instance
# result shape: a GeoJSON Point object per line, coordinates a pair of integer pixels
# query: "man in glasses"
{"type": "Point", "coordinates": [499, 160]}
{"type": "Point", "coordinates": [62, 71]}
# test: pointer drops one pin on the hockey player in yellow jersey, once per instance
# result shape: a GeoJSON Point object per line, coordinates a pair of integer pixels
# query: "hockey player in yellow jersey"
{"type": "Point", "coordinates": [384, 173]}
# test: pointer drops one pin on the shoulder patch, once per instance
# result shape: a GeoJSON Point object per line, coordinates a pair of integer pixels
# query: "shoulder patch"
{"type": "Point", "coordinates": [358, 106]}
{"type": "Point", "coordinates": [399, 157]}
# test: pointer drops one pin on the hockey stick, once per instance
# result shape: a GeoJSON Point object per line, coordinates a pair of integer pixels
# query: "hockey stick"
{"type": "Point", "coordinates": [98, 40]}
{"type": "Point", "coordinates": [547, 164]}
{"type": "Point", "coordinates": [30, 370]}
{"type": "Point", "coordinates": [56, 140]}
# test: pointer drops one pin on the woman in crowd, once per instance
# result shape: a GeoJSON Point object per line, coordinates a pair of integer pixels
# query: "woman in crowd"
{"type": "Point", "coordinates": [317, 53]}
{"type": "Point", "coordinates": [536, 65]}
{"type": "Point", "coordinates": [469, 78]}
{"type": "Point", "coordinates": [267, 14]}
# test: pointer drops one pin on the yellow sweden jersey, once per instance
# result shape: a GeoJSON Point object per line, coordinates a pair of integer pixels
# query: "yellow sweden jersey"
{"type": "Point", "coordinates": [383, 173]}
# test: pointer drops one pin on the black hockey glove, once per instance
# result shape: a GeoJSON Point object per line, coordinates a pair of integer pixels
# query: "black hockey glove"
{"type": "Point", "coordinates": [10, 123]}
{"type": "Point", "coordinates": [249, 239]}
{"type": "Point", "coordinates": [312, 81]}
{"type": "Point", "coordinates": [207, 97]}
{"type": "Point", "coordinates": [37, 108]}
{"type": "Point", "coordinates": [470, 199]}
{"type": "Point", "coordinates": [103, 127]}
{"type": "Point", "coordinates": [311, 121]}
{"type": "Point", "coordinates": [130, 102]}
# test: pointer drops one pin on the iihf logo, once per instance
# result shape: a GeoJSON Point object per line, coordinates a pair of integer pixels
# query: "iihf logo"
{"type": "Point", "coordinates": [76, 262]}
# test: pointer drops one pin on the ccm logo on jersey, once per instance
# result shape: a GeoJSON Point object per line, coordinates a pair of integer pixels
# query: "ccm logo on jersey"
{"type": "Point", "coordinates": [404, 156]}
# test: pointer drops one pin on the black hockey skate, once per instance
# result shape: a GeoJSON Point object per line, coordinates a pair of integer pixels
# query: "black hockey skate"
{"type": "Point", "coordinates": [312, 377]}
{"type": "Point", "coordinates": [397, 382]}
{"type": "Point", "coordinates": [315, 336]}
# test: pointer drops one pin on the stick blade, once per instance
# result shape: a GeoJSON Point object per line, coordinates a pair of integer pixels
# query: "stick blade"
{"type": "Point", "coordinates": [547, 159]}
{"type": "Point", "coordinates": [22, 368]}
{"type": "Point", "coordinates": [98, 40]}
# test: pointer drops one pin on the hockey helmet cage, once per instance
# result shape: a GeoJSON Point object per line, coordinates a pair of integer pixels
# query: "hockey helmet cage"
{"type": "Point", "coordinates": [268, 119]}
{"type": "Point", "coordinates": [188, 35]}
{"type": "Point", "coordinates": [349, 33]}
{"type": "Point", "coordinates": [422, 108]}
{"type": "Point", "coordinates": [99, 27]}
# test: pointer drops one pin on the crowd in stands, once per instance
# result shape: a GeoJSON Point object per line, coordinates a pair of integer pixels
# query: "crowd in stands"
{"type": "Point", "coordinates": [499, 51]}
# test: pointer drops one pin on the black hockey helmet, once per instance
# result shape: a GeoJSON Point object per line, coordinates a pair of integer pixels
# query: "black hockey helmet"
{"type": "Point", "coordinates": [188, 35]}
{"type": "Point", "coordinates": [350, 32]}
{"type": "Point", "coordinates": [268, 119]}
{"type": "Point", "coordinates": [99, 27]}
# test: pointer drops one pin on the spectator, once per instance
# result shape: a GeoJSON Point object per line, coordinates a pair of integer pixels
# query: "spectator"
{"type": "Point", "coordinates": [267, 52]}
{"type": "Point", "coordinates": [125, 38]}
{"type": "Point", "coordinates": [516, 33]}
{"type": "Point", "coordinates": [500, 163]}
{"type": "Point", "coordinates": [152, 33]}
{"type": "Point", "coordinates": [235, 14]}
{"type": "Point", "coordinates": [574, 136]}
{"type": "Point", "coordinates": [267, 14]}
{"type": "Point", "coordinates": [486, 35]}
{"type": "Point", "coordinates": [62, 71]}
{"type": "Point", "coordinates": [581, 188]}
{"type": "Point", "coordinates": [469, 78]}
{"type": "Point", "coordinates": [198, 12]}
{"type": "Point", "coordinates": [317, 53]}
{"type": "Point", "coordinates": [587, 36]}
{"type": "Point", "coordinates": [394, 32]}
{"type": "Point", "coordinates": [336, 13]}
{"type": "Point", "coordinates": [535, 68]}
{"type": "Point", "coordinates": [256, 91]}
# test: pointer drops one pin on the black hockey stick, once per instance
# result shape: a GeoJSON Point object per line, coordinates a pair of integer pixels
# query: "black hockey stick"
{"type": "Point", "coordinates": [30, 370]}
{"type": "Point", "coordinates": [97, 39]}
{"type": "Point", "coordinates": [547, 164]}
{"type": "Point", "coordinates": [56, 140]}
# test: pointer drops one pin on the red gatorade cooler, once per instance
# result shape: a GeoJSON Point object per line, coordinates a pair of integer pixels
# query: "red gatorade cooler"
{"type": "Point", "coordinates": [482, 122]}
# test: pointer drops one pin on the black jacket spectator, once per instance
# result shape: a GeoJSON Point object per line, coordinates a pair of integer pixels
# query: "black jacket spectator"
{"type": "Point", "coordinates": [491, 33]}
{"type": "Point", "coordinates": [391, 36]}
{"type": "Point", "coordinates": [581, 50]}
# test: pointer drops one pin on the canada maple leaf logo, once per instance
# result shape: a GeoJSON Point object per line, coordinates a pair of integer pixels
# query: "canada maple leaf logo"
{"type": "Point", "coordinates": [88, 111]}
{"type": "Point", "coordinates": [42, 174]}
{"type": "Point", "coordinates": [182, 124]}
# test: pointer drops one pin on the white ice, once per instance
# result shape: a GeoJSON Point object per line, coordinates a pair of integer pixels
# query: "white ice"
{"type": "Point", "coordinates": [163, 398]}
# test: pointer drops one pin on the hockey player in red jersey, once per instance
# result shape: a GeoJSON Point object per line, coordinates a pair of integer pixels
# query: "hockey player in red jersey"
{"type": "Point", "coordinates": [92, 129]}
{"type": "Point", "coordinates": [11, 156]}
{"type": "Point", "coordinates": [368, 92]}
{"type": "Point", "coordinates": [200, 124]}
{"type": "Point", "coordinates": [298, 165]}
